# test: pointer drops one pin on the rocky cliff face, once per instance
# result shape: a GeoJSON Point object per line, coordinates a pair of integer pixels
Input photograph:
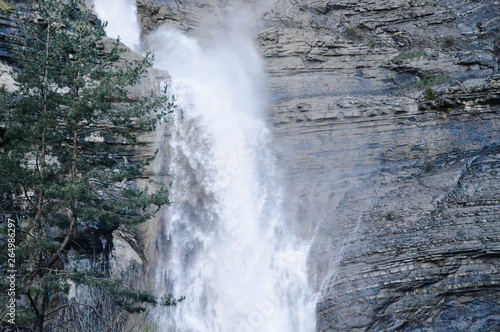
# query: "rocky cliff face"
{"type": "Point", "coordinates": [385, 118]}
{"type": "Point", "coordinates": [391, 110]}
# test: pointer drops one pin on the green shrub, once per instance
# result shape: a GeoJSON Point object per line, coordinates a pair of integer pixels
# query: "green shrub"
{"type": "Point", "coordinates": [425, 82]}
{"type": "Point", "coordinates": [429, 94]}
{"type": "Point", "coordinates": [5, 7]}
{"type": "Point", "coordinates": [410, 55]}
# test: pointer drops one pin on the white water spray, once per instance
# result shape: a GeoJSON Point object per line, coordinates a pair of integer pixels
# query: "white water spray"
{"type": "Point", "coordinates": [225, 246]}
{"type": "Point", "coordinates": [121, 16]}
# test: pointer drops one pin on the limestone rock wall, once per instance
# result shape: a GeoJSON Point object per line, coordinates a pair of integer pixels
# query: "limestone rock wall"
{"type": "Point", "coordinates": [390, 109]}
{"type": "Point", "coordinates": [385, 120]}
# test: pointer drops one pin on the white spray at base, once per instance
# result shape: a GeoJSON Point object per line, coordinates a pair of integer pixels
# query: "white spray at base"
{"type": "Point", "coordinates": [225, 245]}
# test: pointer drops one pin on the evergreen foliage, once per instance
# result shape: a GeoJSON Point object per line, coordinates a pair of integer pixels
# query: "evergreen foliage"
{"type": "Point", "coordinates": [67, 160]}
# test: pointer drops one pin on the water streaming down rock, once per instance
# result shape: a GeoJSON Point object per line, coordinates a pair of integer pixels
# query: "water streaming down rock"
{"type": "Point", "coordinates": [225, 245]}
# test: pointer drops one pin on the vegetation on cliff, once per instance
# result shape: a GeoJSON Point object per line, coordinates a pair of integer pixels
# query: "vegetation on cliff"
{"type": "Point", "coordinates": [67, 162]}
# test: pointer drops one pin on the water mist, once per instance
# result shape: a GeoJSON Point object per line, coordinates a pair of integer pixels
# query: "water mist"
{"type": "Point", "coordinates": [226, 246]}
{"type": "Point", "coordinates": [121, 16]}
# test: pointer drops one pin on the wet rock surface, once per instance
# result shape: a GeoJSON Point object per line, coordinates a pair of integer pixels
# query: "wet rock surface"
{"type": "Point", "coordinates": [385, 120]}
{"type": "Point", "coordinates": [383, 114]}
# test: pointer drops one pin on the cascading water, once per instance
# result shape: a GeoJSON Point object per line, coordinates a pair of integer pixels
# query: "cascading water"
{"type": "Point", "coordinates": [121, 16]}
{"type": "Point", "coordinates": [225, 246]}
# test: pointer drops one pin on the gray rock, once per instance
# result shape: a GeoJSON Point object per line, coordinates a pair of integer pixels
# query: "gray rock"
{"type": "Point", "coordinates": [6, 79]}
{"type": "Point", "coordinates": [385, 120]}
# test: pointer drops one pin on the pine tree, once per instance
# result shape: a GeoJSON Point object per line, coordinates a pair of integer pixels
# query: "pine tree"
{"type": "Point", "coordinates": [67, 154]}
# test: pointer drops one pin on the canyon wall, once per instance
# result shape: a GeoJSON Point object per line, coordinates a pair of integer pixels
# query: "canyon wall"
{"type": "Point", "coordinates": [385, 120]}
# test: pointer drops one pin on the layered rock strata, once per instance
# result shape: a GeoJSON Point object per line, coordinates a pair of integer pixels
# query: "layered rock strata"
{"type": "Point", "coordinates": [385, 121]}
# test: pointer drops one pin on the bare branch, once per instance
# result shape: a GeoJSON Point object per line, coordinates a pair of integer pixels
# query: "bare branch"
{"type": "Point", "coordinates": [85, 305]}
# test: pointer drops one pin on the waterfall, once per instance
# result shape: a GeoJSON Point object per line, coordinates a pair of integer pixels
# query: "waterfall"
{"type": "Point", "coordinates": [121, 16]}
{"type": "Point", "coordinates": [225, 244]}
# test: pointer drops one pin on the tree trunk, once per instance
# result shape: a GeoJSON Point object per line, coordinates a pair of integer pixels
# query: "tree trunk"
{"type": "Point", "coordinates": [41, 301]}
